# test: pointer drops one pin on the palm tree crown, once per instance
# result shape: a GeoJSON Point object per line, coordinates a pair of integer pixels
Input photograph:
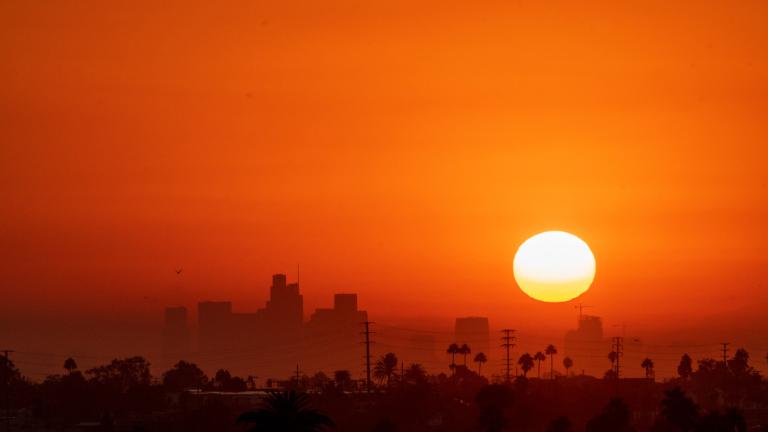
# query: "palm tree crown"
{"type": "Point", "coordinates": [551, 351]}
{"type": "Point", "coordinates": [567, 364]}
{"type": "Point", "coordinates": [647, 364]}
{"type": "Point", "coordinates": [480, 358]}
{"type": "Point", "coordinates": [385, 367]}
{"type": "Point", "coordinates": [453, 349]}
{"type": "Point", "coordinates": [526, 363]}
{"type": "Point", "coordinates": [286, 412]}
{"type": "Point", "coordinates": [465, 350]}
{"type": "Point", "coordinates": [70, 365]}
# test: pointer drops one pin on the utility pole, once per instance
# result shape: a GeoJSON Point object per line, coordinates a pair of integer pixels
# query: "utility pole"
{"type": "Point", "coordinates": [298, 375]}
{"type": "Point", "coordinates": [725, 353]}
{"type": "Point", "coordinates": [618, 348]}
{"type": "Point", "coordinates": [367, 343]}
{"type": "Point", "coordinates": [508, 339]}
{"type": "Point", "coordinates": [6, 354]}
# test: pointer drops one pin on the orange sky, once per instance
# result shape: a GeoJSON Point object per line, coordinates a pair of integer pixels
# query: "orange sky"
{"type": "Point", "coordinates": [402, 151]}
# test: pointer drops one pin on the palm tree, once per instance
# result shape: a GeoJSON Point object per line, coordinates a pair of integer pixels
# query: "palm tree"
{"type": "Point", "coordinates": [286, 411]}
{"type": "Point", "coordinates": [465, 350]}
{"type": "Point", "coordinates": [551, 351]}
{"type": "Point", "coordinates": [526, 363]}
{"type": "Point", "coordinates": [453, 349]}
{"type": "Point", "coordinates": [70, 365]}
{"type": "Point", "coordinates": [385, 367]}
{"type": "Point", "coordinates": [415, 374]}
{"type": "Point", "coordinates": [539, 356]}
{"type": "Point", "coordinates": [480, 358]}
{"type": "Point", "coordinates": [567, 364]}
{"type": "Point", "coordinates": [685, 368]}
{"type": "Point", "coordinates": [647, 364]}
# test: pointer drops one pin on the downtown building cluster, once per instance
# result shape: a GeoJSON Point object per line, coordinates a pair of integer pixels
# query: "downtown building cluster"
{"type": "Point", "coordinates": [272, 340]}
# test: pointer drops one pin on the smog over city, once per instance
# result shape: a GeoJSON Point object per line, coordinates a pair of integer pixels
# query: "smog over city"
{"type": "Point", "coordinates": [383, 216]}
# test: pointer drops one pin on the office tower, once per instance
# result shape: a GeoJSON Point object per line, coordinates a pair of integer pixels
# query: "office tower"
{"type": "Point", "coordinates": [587, 346]}
{"type": "Point", "coordinates": [214, 326]}
{"type": "Point", "coordinates": [333, 335]}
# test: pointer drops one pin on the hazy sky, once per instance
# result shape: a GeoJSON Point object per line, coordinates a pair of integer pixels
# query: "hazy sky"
{"type": "Point", "coordinates": [399, 150]}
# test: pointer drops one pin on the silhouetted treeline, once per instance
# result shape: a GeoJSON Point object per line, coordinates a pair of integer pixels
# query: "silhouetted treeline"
{"type": "Point", "coordinates": [123, 395]}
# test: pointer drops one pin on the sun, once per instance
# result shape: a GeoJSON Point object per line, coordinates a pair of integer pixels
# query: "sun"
{"type": "Point", "coordinates": [554, 266]}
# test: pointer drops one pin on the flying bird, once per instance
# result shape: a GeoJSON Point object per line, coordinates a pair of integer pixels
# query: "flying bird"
{"type": "Point", "coordinates": [179, 270]}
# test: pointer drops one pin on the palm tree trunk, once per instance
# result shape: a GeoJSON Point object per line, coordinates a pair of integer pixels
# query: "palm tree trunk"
{"type": "Point", "coordinates": [551, 366]}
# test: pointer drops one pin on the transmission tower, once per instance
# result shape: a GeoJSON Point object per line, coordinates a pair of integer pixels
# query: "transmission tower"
{"type": "Point", "coordinates": [725, 353]}
{"type": "Point", "coordinates": [508, 340]}
{"type": "Point", "coordinates": [367, 333]}
{"type": "Point", "coordinates": [618, 349]}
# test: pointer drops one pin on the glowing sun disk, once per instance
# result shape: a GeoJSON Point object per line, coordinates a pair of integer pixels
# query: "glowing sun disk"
{"type": "Point", "coordinates": [554, 266]}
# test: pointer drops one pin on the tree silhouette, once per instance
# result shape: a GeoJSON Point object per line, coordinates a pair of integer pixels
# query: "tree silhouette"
{"type": "Point", "coordinates": [183, 376]}
{"type": "Point", "coordinates": [526, 363]}
{"type": "Point", "coordinates": [678, 412]}
{"type": "Point", "coordinates": [9, 373]}
{"type": "Point", "coordinates": [453, 349]}
{"type": "Point", "coordinates": [122, 374]}
{"type": "Point", "coordinates": [319, 380]}
{"type": "Point", "coordinates": [739, 364]}
{"type": "Point", "coordinates": [539, 357]}
{"type": "Point", "coordinates": [615, 417]}
{"type": "Point", "coordinates": [465, 350]}
{"type": "Point", "coordinates": [567, 364]}
{"type": "Point", "coordinates": [343, 379]}
{"type": "Point", "coordinates": [647, 364]}
{"type": "Point", "coordinates": [685, 368]}
{"type": "Point", "coordinates": [551, 351]}
{"type": "Point", "coordinates": [385, 367]}
{"type": "Point", "coordinates": [415, 374]}
{"type": "Point", "coordinates": [480, 358]}
{"type": "Point", "coordinates": [560, 424]}
{"type": "Point", "coordinates": [222, 378]}
{"type": "Point", "coordinates": [285, 412]}
{"type": "Point", "coordinates": [70, 365]}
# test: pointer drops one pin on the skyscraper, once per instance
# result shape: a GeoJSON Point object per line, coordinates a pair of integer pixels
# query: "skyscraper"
{"type": "Point", "coordinates": [587, 347]}
{"type": "Point", "coordinates": [214, 325]}
{"type": "Point", "coordinates": [285, 307]}
{"type": "Point", "coordinates": [335, 334]}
